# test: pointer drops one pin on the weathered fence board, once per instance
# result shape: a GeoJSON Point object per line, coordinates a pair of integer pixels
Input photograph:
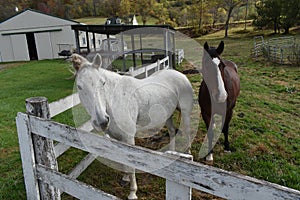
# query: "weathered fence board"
{"type": "Point", "coordinates": [175, 190]}
{"type": "Point", "coordinates": [27, 156]}
{"type": "Point", "coordinates": [196, 175]}
{"type": "Point", "coordinates": [64, 104]}
{"type": "Point", "coordinates": [60, 148]}
{"type": "Point", "coordinates": [80, 167]}
{"type": "Point", "coordinates": [75, 188]}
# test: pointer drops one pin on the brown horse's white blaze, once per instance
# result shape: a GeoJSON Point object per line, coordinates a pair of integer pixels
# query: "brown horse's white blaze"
{"type": "Point", "coordinates": [218, 97]}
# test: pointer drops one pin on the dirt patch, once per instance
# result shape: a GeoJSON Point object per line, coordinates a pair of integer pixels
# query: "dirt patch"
{"type": "Point", "coordinates": [283, 83]}
{"type": "Point", "coordinates": [9, 65]}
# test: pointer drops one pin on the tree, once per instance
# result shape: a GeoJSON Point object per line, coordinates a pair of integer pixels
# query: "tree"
{"type": "Point", "coordinates": [228, 6]}
{"type": "Point", "coordinates": [145, 9]}
{"type": "Point", "coordinates": [281, 13]}
{"type": "Point", "coordinates": [214, 11]}
{"type": "Point", "coordinates": [125, 8]}
{"type": "Point", "coordinates": [161, 13]}
{"type": "Point", "coordinates": [196, 10]}
{"type": "Point", "coordinates": [268, 11]}
{"type": "Point", "coordinates": [7, 9]}
{"type": "Point", "coordinates": [290, 14]}
{"type": "Point", "coordinates": [112, 7]}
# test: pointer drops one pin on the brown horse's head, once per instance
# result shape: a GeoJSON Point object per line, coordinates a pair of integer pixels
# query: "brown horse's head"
{"type": "Point", "coordinates": [214, 52]}
{"type": "Point", "coordinates": [212, 72]}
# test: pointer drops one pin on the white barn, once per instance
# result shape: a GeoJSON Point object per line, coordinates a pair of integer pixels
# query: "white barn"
{"type": "Point", "coordinates": [32, 35]}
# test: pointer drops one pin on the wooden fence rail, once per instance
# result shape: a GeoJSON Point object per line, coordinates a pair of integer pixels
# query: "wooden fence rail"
{"type": "Point", "coordinates": [147, 70]}
{"type": "Point", "coordinates": [188, 173]}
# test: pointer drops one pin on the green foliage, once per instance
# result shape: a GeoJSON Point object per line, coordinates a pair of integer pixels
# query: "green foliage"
{"type": "Point", "coordinates": [277, 13]}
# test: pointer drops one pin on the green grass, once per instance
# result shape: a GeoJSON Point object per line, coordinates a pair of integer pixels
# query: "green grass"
{"type": "Point", "coordinates": [264, 130]}
{"type": "Point", "coordinates": [92, 20]}
{"type": "Point", "coordinates": [18, 82]}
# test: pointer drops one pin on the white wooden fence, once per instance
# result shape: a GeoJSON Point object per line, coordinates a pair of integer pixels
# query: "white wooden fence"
{"type": "Point", "coordinates": [147, 70]}
{"type": "Point", "coordinates": [179, 55]}
{"type": "Point", "coordinates": [37, 132]}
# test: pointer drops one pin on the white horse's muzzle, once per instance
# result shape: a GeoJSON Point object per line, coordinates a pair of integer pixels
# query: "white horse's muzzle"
{"type": "Point", "coordinates": [101, 124]}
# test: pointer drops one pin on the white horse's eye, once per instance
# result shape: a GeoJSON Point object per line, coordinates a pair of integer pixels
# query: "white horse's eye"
{"type": "Point", "coordinates": [79, 87]}
{"type": "Point", "coordinates": [103, 83]}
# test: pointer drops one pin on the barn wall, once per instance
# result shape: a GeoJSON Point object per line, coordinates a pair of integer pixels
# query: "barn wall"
{"type": "Point", "coordinates": [49, 31]}
{"type": "Point", "coordinates": [6, 48]}
{"type": "Point", "coordinates": [43, 45]}
{"type": "Point", "coordinates": [65, 36]}
{"type": "Point", "coordinates": [13, 48]}
{"type": "Point", "coordinates": [19, 46]}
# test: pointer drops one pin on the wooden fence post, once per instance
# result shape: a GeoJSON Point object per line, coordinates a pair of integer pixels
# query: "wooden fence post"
{"type": "Point", "coordinates": [157, 68]}
{"type": "Point", "coordinates": [146, 71]}
{"type": "Point", "coordinates": [174, 190]}
{"type": "Point", "coordinates": [43, 147]}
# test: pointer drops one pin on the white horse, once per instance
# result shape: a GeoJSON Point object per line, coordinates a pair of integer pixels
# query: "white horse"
{"type": "Point", "coordinates": [124, 105]}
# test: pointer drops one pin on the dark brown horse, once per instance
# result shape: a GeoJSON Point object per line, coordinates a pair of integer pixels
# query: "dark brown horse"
{"type": "Point", "coordinates": [209, 106]}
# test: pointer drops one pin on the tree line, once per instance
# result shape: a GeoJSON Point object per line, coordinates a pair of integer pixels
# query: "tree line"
{"type": "Point", "coordinates": [281, 14]}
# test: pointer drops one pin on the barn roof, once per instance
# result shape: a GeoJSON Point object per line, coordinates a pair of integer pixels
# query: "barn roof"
{"type": "Point", "coordinates": [33, 19]}
{"type": "Point", "coordinates": [114, 29]}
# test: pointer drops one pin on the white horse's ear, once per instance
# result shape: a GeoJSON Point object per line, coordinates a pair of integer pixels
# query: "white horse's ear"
{"type": "Point", "coordinates": [97, 62]}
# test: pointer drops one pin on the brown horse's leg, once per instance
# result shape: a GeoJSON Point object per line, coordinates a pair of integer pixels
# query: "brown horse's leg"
{"type": "Point", "coordinates": [225, 130]}
{"type": "Point", "coordinates": [210, 135]}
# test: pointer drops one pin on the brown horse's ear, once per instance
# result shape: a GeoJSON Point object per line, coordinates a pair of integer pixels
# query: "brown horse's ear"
{"type": "Point", "coordinates": [97, 62]}
{"type": "Point", "coordinates": [206, 47]}
{"type": "Point", "coordinates": [220, 48]}
{"type": "Point", "coordinates": [77, 61]}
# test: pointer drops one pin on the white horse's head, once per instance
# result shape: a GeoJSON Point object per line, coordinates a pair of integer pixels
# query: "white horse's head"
{"type": "Point", "coordinates": [90, 84]}
{"type": "Point", "coordinates": [212, 74]}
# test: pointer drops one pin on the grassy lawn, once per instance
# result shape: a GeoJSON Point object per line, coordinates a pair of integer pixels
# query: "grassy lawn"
{"type": "Point", "coordinates": [18, 82]}
{"type": "Point", "coordinates": [264, 131]}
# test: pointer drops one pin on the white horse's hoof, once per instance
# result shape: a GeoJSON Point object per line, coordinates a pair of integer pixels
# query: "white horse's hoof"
{"type": "Point", "coordinates": [132, 196]}
{"type": "Point", "coordinates": [209, 157]}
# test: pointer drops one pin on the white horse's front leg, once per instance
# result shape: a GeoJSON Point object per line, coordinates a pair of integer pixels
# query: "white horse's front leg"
{"type": "Point", "coordinates": [133, 186]}
{"type": "Point", "coordinates": [130, 173]}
